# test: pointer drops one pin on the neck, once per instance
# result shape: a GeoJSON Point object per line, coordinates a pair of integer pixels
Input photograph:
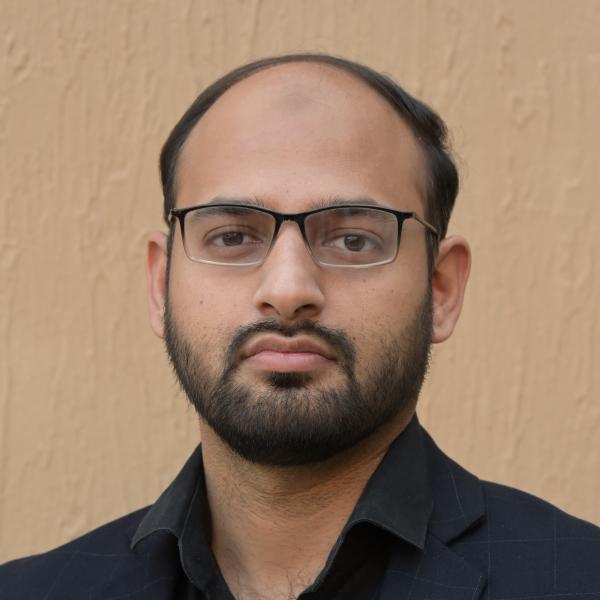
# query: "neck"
{"type": "Point", "coordinates": [273, 527]}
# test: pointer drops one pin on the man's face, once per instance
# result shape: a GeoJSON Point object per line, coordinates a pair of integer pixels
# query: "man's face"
{"type": "Point", "coordinates": [290, 362]}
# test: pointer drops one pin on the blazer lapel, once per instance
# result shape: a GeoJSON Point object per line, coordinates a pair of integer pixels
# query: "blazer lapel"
{"type": "Point", "coordinates": [436, 572]}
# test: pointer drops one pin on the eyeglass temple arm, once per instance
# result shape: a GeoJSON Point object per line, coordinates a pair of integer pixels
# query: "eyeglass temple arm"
{"type": "Point", "coordinates": [427, 225]}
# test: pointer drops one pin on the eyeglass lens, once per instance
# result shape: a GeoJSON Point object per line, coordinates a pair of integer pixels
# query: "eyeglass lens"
{"type": "Point", "coordinates": [345, 236]}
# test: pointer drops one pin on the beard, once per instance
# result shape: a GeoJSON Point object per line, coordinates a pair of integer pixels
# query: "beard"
{"type": "Point", "coordinates": [288, 419]}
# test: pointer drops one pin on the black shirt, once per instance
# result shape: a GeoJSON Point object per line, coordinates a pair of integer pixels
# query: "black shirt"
{"type": "Point", "coordinates": [395, 506]}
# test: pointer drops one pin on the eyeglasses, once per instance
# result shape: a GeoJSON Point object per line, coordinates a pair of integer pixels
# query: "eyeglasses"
{"type": "Point", "coordinates": [347, 236]}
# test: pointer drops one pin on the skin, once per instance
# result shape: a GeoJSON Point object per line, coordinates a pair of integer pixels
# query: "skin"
{"type": "Point", "coordinates": [294, 136]}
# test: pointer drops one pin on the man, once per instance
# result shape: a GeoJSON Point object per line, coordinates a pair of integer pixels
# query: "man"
{"type": "Point", "coordinates": [305, 274]}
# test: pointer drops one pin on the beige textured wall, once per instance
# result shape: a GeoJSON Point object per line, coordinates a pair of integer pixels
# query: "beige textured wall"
{"type": "Point", "coordinates": [92, 424]}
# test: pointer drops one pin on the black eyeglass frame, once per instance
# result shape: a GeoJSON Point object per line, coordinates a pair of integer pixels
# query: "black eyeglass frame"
{"type": "Point", "coordinates": [299, 218]}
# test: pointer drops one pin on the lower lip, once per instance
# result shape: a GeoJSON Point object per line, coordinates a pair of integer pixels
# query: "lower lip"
{"type": "Point", "coordinates": [269, 360]}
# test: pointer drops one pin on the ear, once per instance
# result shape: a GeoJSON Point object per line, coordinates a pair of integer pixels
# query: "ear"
{"type": "Point", "coordinates": [156, 279]}
{"type": "Point", "coordinates": [449, 280]}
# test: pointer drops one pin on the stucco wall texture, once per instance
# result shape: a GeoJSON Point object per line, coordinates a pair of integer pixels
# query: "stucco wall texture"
{"type": "Point", "coordinates": [92, 422]}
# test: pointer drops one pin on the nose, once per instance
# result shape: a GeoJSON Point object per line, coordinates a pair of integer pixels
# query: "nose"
{"type": "Point", "coordinates": [289, 287]}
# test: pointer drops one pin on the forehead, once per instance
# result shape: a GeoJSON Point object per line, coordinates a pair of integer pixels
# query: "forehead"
{"type": "Point", "coordinates": [299, 132]}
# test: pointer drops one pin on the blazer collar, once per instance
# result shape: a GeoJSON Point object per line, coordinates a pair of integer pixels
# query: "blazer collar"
{"type": "Point", "coordinates": [437, 571]}
{"type": "Point", "coordinates": [458, 502]}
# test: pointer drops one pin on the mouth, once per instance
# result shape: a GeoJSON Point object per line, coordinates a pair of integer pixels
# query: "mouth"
{"type": "Point", "coordinates": [281, 354]}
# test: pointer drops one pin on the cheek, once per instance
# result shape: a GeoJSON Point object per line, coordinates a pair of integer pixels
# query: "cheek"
{"type": "Point", "coordinates": [205, 314]}
{"type": "Point", "coordinates": [374, 313]}
{"type": "Point", "coordinates": [371, 302]}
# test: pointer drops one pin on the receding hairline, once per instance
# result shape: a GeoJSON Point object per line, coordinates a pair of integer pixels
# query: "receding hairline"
{"type": "Point", "coordinates": [333, 72]}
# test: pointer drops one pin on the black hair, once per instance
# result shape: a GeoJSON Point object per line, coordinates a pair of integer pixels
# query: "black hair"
{"type": "Point", "coordinates": [441, 186]}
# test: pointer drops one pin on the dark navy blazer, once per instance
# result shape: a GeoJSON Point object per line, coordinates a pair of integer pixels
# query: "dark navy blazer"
{"type": "Point", "coordinates": [484, 541]}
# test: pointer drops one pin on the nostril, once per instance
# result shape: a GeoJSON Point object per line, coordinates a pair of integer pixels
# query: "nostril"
{"type": "Point", "coordinates": [289, 296]}
{"type": "Point", "coordinates": [288, 311]}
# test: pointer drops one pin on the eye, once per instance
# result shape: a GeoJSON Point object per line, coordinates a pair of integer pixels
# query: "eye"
{"type": "Point", "coordinates": [232, 238]}
{"type": "Point", "coordinates": [353, 242]}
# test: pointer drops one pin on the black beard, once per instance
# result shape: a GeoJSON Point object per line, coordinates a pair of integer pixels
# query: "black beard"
{"type": "Point", "coordinates": [288, 423]}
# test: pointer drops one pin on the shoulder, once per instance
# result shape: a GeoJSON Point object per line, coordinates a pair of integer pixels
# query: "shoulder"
{"type": "Point", "coordinates": [512, 512]}
{"type": "Point", "coordinates": [526, 543]}
{"type": "Point", "coordinates": [504, 512]}
{"type": "Point", "coordinates": [523, 545]}
{"type": "Point", "coordinates": [76, 569]}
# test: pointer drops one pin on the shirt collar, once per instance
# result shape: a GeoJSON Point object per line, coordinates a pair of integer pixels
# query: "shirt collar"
{"type": "Point", "coordinates": [170, 511]}
{"type": "Point", "coordinates": [397, 498]}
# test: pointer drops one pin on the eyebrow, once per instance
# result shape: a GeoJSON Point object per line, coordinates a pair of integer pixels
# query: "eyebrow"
{"type": "Point", "coordinates": [323, 203]}
{"type": "Point", "coordinates": [253, 201]}
{"type": "Point", "coordinates": [340, 200]}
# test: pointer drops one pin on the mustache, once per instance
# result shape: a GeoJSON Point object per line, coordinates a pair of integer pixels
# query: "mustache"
{"type": "Point", "coordinates": [337, 339]}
